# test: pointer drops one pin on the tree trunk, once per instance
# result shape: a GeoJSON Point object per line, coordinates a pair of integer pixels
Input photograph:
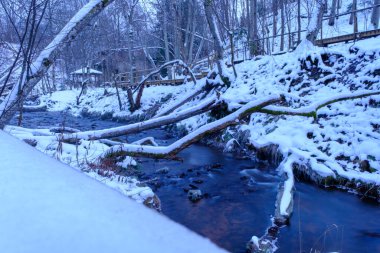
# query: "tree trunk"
{"type": "Point", "coordinates": [255, 43]}
{"type": "Point", "coordinates": [249, 25]}
{"type": "Point", "coordinates": [315, 23]}
{"type": "Point", "coordinates": [41, 65]}
{"type": "Point", "coordinates": [299, 21]}
{"type": "Point", "coordinates": [218, 44]}
{"type": "Point", "coordinates": [275, 13]}
{"type": "Point", "coordinates": [202, 107]}
{"type": "Point", "coordinates": [282, 42]}
{"type": "Point", "coordinates": [375, 14]}
{"type": "Point", "coordinates": [130, 100]}
{"type": "Point", "coordinates": [353, 12]}
{"type": "Point", "coordinates": [166, 39]}
{"type": "Point", "coordinates": [141, 85]}
{"type": "Point", "coordinates": [171, 150]}
{"type": "Point", "coordinates": [333, 12]}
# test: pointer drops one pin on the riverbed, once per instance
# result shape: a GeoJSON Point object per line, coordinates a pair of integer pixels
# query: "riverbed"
{"type": "Point", "coordinates": [239, 197]}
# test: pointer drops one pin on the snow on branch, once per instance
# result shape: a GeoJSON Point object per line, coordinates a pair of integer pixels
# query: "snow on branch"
{"type": "Point", "coordinates": [202, 107]}
{"type": "Point", "coordinates": [170, 151]}
{"type": "Point", "coordinates": [46, 58]}
{"type": "Point", "coordinates": [311, 111]}
{"type": "Point", "coordinates": [157, 71]}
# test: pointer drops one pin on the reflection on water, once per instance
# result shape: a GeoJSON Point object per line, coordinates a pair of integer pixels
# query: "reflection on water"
{"type": "Point", "coordinates": [331, 221]}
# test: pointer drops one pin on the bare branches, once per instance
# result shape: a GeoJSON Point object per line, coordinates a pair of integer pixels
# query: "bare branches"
{"type": "Point", "coordinates": [46, 58]}
{"type": "Point", "coordinates": [140, 87]}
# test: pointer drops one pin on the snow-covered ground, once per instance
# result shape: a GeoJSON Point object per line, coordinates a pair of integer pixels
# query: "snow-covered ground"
{"type": "Point", "coordinates": [85, 156]}
{"type": "Point", "coordinates": [47, 206]}
{"type": "Point", "coordinates": [103, 101]}
{"type": "Point", "coordinates": [343, 143]}
{"type": "Point", "coordinates": [345, 134]}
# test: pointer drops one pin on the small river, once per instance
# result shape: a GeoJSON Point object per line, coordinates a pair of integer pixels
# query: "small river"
{"type": "Point", "coordinates": [239, 197]}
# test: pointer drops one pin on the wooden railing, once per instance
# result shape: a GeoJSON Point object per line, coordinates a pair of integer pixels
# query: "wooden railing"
{"type": "Point", "coordinates": [175, 81]}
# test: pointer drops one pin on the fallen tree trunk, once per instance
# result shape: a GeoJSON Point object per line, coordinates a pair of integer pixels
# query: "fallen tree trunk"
{"type": "Point", "coordinates": [170, 151]}
{"type": "Point", "coordinates": [311, 111]}
{"type": "Point", "coordinates": [34, 108]}
{"type": "Point", "coordinates": [232, 119]}
{"type": "Point", "coordinates": [181, 102]}
{"type": "Point", "coordinates": [145, 125]}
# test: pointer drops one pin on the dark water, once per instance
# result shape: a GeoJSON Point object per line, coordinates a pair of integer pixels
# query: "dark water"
{"type": "Point", "coordinates": [331, 221]}
{"type": "Point", "coordinates": [240, 196]}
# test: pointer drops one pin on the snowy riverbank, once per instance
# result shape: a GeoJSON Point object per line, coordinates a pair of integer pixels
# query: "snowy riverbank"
{"type": "Point", "coordinates": [332, 144]}
{"type": "Point", "coordinates": [49, 207]}
{"type": "Point", "coordinates": [341, 146]}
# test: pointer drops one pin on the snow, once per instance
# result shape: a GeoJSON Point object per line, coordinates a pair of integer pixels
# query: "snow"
{"type": "Point", "coordinates": [49, 207]}
{"type": "Point", "coordinates": [103, 102]}
{"type": "Point", "coordinates": [345, 133]}
{"type": "Point", "coordinates": [141, 125]}
{"type": "Point", "coordinates": [86, 71]}
{"type": "Point", "coordinates": [162, 150]}
{"type": "Point", "coordinates": [85, 157]}
{"type": "Point", "coordinates": [36, 67]}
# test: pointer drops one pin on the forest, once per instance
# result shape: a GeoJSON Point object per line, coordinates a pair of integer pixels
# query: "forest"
{"type": "Point", "coordinates": [253, 123]}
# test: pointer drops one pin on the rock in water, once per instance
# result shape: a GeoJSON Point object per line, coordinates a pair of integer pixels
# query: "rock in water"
{"type": "Point", "coordinates": [194, 195]}
{"type": "Point", "coordinates": [164, 170]}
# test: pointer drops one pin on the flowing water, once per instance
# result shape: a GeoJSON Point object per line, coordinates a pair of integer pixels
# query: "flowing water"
{"type": "Point", "coordinates": [239, 196]}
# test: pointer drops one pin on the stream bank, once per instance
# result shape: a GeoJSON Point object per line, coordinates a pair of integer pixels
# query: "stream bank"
{"type": "Point", "coordinates": [239, 196]}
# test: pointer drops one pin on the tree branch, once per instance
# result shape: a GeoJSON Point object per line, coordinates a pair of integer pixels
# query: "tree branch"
{"type": "Point", "coordinates": [170, 151]}
{"type": "Point", "coordinates": [311, 111]}
{"type": "Point", "coordinates": [145, 125]}
{"type": "Point", "coordinates": [41, 65]}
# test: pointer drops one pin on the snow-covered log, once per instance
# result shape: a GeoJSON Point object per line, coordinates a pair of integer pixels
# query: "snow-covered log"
{"type": "Point", "coordinates": [311, 110]}
{"type": "Point", "coordinates": [181, 102]}
{"type": "Point", "coordinates": [34, 108]}
{"type": "Point", "coordinates": [46, 58]}
{"type": "Point", "coordinates": [146, 141]}
{"type": "Point", "coordinates": [202, 107]}
{"type": "Point", "coordinates": [171, 150]}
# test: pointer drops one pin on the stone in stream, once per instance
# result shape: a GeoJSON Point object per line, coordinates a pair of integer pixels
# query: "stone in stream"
{"type": "Point", "coordinates": [197, 181]}
{"type": "Point", "coordinates": [216, 166]}
{"type": "Point", "coordinates": [193, 186]}
{"type": "Point", "coordinates": [163, 170]}
{"type": "Point", "coordinates": [194, 195]}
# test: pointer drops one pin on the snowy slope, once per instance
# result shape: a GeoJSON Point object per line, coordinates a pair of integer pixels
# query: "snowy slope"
{"type": "Point", "coordinates": [47, 206]}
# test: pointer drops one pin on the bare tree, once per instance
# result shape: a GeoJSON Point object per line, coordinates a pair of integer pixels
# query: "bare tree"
{"type": "Point", "coordinates": [299, 20]}
{"type": "Point", "coordinates": [315, 23]}
{"type": "Point", "coordinates": [255, 43]}
{"type": "Point", "coordinates": [40, 66]}
{"type": "Point", "coordinates": [282, 8]}
{"type": "Point", "coordinates": [375, 13]}
{"type": "Point", "coordinates": [274, 25]}
{"type": "Point", "coordinates": [218, 44]}
{"type": "Point", "coordinates": [334, 8]}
